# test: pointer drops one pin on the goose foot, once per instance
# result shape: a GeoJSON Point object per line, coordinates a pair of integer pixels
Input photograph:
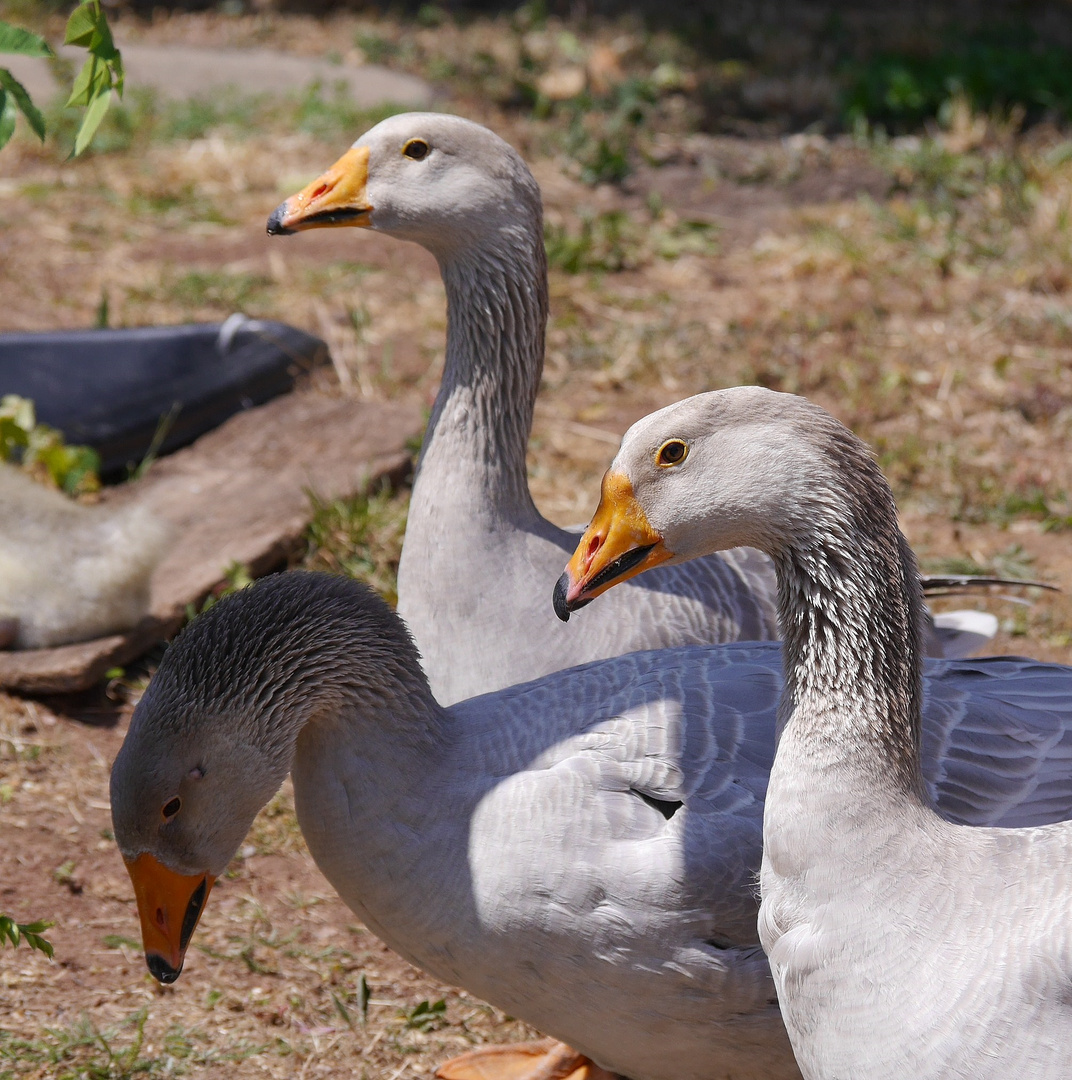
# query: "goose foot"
{"type": "Point", "coordinates": [545, 1059]}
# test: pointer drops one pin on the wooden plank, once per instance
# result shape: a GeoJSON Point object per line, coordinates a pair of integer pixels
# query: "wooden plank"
{"type": "Point", "coordinates": [239, 494]}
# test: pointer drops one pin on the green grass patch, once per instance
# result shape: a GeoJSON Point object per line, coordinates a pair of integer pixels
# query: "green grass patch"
{"type": "Point", "coordinates": [615, 240]}
{"type": "Point", "coordinates": [83, 1051]}
{"type": "Point", "coordinates": [998, 69]}
{"type": "Point", "coordinates": [360, 537]}
{"type": "Point", "coordinates": [220, 289]}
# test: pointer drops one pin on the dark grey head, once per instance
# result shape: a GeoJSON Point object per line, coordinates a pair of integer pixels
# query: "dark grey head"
{"type": "Point", "coordinates": [214, 734]}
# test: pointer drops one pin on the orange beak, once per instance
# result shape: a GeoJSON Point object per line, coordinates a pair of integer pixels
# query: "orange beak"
{"type": "Point", "coordinates": [618, 544]}
{"type": "Point", "coordinates": [339, 197]}
{"type": "Point", "coordinates": [169, 906]}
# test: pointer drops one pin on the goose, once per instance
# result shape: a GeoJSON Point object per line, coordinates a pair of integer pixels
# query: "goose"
{"type": "Point", "coordinates": [901, 943]}
{"type": "Point", "coordinates": [465, 195]}
{"type": "Point", "coordinates": [70, 572]}
{"type": "Point", "coordinates": [580, 850]}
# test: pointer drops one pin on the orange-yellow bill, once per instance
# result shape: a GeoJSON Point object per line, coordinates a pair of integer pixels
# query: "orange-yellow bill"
{"type": "Point", "coordinates": [338, 197]}
{"type": "Point", "coordinates": [169, 906]}
{"type": "Point", "coordinates": [618, 544]}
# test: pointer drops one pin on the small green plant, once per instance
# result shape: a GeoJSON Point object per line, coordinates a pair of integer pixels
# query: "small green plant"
{"type": "Point", "coordinates": [613, 241]}
{"type": "Point", "coordinates": [41, 451]}
{"type": "Point", "coordinates": [360, 537]}
{"type": "Point", "coordinates": [236, 576]}
{"type": "Point", "coordinates": [602, 242]}
{"type": "Point", "coordinates": [427, 1017]}
{"type": "Point", "coordinates": [602, 133]}
{"type": "Point", "coordinates": [83, 1051]}
{"type": "Point", "coordinates": [31, 933]}
{"type": "Point", "coordinates": [997, 69]}
{"type": "Point", "coordinates": [102, 73]}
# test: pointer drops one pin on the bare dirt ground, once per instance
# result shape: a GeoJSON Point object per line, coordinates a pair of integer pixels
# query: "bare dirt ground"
{"type": "Point", "coordinates": [918, 289]}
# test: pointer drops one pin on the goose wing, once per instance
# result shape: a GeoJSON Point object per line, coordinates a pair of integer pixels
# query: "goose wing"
{"type": "Point", "coordinates": [997, 740]}
{"type": "Point", "coordinates": [644, 776]}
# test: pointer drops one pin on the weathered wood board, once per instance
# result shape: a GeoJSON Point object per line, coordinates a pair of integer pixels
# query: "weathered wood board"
{"type": "Point", "coordinates": [238, 494]}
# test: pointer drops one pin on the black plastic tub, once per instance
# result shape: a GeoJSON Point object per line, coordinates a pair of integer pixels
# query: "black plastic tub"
{"type": "Point", "coordinates": [115, 390]}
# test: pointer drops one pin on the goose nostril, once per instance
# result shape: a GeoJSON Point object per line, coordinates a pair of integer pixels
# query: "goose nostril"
{"type": "Point", "coordinates": [593, 547]}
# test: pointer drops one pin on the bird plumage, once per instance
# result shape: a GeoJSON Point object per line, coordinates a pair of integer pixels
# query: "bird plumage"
{"type": "Point", "coordinates": [580, 850]}
{"type": "Point", "coordinates": [70, 572]}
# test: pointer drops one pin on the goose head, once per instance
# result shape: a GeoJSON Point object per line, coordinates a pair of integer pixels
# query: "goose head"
{"type": "Point", "coordinates": [214, 735]}
{"type": "Point", "coordinates": [441, 181]}
{"type": "Point", "coordinates": [740, 467]}
{"type": "Point", "coordinates": [167, 788]}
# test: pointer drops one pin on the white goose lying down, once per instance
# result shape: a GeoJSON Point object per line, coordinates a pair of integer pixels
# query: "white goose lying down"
{"type": "Point", "coordinates": [70, 572]}
{"type": "Point", "coordinates": [580, 851]}
{"type": "Point", "coordinates": [464, 194]}
{"type": "Point", "coordinates": [901, 945]}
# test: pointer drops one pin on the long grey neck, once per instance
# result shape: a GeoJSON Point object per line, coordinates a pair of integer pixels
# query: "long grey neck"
{"type": "Point", "coordinates": [379, 704]}
{"type": "Point", "coordinates": [850, 610]}
{"type": "Point", "coordinates": [473, 459]}
{"type": "Point", "coordinates": [300, 651]}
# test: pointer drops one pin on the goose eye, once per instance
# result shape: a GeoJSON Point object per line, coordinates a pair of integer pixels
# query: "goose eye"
{"type": "Point", "coordinates": [171, 808]}
{"type": "Point", "coordinates": [672, 452]}
{"type": "Point", "coordinates": [417, 149]}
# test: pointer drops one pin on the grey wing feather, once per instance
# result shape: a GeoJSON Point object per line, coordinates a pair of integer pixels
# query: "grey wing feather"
{"type": "Point", "coordinates": [646, 777]}
{"type": "Point", "coordinates": [997, 740]}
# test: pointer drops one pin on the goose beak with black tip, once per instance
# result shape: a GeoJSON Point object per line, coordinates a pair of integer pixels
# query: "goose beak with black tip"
{"type": "Point", "coordinates": [338, 197]}
{"type": "Point", "coordinates": [169, 906]}
{"type": "Point", "coordinates": [618, 544]}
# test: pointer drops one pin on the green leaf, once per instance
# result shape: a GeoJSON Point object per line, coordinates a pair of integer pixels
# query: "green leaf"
{"type": "Point", "coordinates": [7, 117]}
{"type": "Point", "coordinates": [22, 99]}
{"type": "Point", "coordinates": [88, 27]}
{"type": "Point", "coordinates": [13, 39]}
{"type": "Point", "coordinates": [91, 121]}
{"type": "Point", "coordinates": [29, 932]}
{"type": "Point", "coordinates": [9, 929]}
{"type": "Point", "coordinates": [82, 24]}
{"type": "Point", "coordinates": [342, 1010]}
{"type": "Point", "coordinates": [36, 941]}
{"type": "Point", "coordinates": [91, 81]}
{"type": "Point", "coordinates": [116, 65]}
{"type": "Point", "coordinates": [38, 927]}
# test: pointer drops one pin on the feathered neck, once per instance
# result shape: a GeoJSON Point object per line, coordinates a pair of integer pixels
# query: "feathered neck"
{"type": "Point", "coordinates": [474, 449]}
{"type": "Point", "coordinates": [850, 610]}
{"type": "Point", "coordinates": [292, 648]}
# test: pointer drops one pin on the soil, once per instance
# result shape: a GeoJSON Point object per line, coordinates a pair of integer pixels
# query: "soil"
{"type": "Point", "coordinates": [826, 274]}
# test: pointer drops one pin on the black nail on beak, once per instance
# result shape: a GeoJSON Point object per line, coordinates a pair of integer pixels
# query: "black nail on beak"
{"type": "Point", "coordinates": [161, 970]}
{"type": "Point", "coordinates": [275, 222]}
{"type": "Point", "coordinates": [558, 598]}
{"type": "Point", "coordinates": [562, 606]}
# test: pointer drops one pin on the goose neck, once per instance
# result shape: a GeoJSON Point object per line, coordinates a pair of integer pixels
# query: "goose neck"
{"type": "Point", "coordinates": [850, 609]}
{"type": "Point", "coordinates": [496, 316]}
{"type": "Point", "coordinates": [303, 650]}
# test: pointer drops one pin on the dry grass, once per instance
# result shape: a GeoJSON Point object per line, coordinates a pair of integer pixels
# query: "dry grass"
{"type": "Point", "coordinates": [919, 289]}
